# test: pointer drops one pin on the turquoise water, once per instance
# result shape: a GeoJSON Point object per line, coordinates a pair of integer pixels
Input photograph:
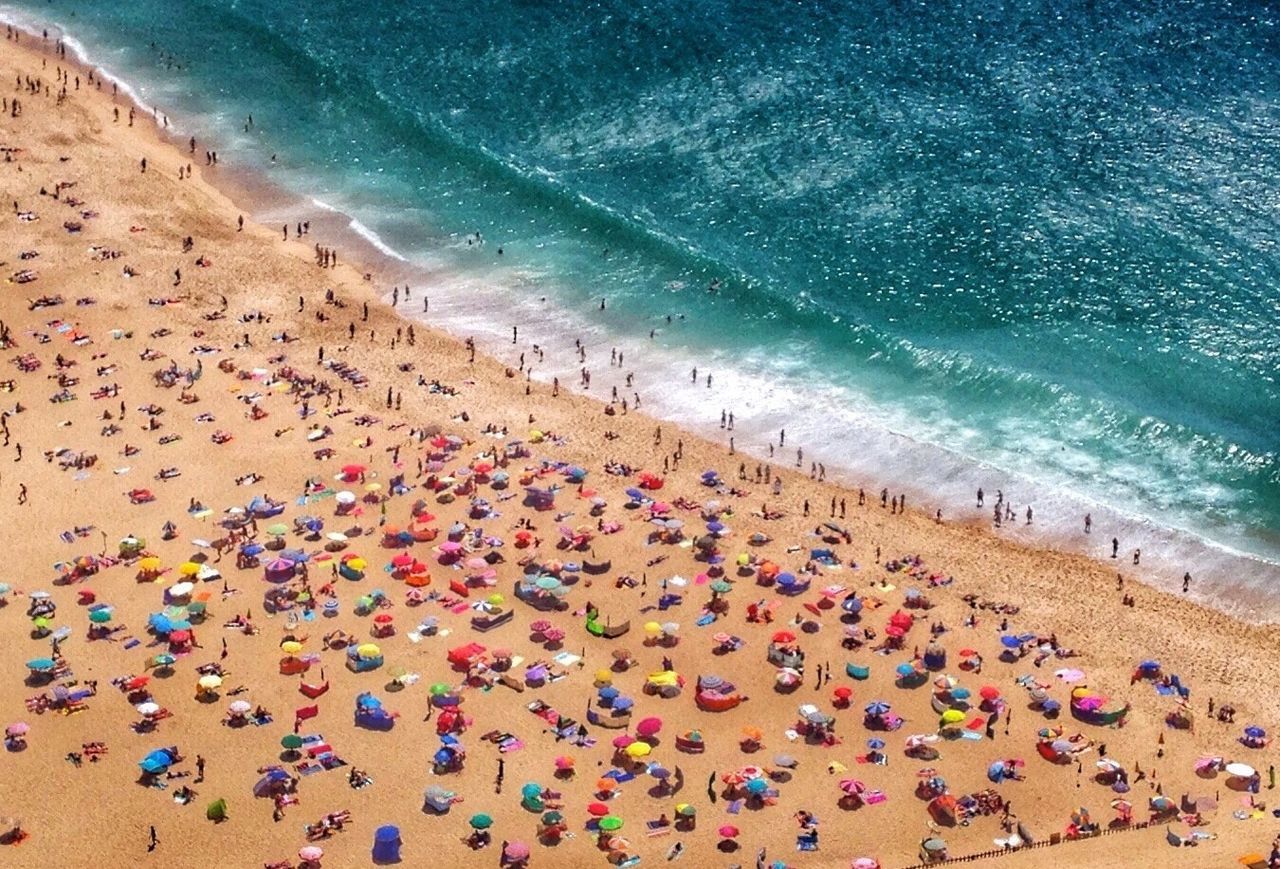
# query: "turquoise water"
{"type": "Point", "coordinates": [1024, 245]}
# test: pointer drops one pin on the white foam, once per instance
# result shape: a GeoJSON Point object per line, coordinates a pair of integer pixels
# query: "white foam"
{"type": "Point", "coordinates": [373, 238]}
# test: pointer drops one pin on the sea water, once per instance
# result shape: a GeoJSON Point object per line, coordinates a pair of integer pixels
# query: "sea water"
{"type": "Point", "coordinates": [1024, 245]}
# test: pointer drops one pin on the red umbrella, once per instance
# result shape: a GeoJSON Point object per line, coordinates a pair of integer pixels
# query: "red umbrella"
{"type": "Point", "coordinates": [649, 727]}
{"type": "Point", "coordinates": [988, 692]}
{"type": "Point", "coordinates": [353, 470]}
{"type": "Point", "coordinates": [729, 831]}
{"type": "Point", "coordinates": [894, 631]}
{"type": "Point", "coordinates": [784, 637]}
{"type": "Point", "coordinates": [404, 559]}
{"type": "Point", "coordinates": [967, 653]}
{"type": "Point", "coordinates": [844, 692]}
{"type": "Point", "coordinates": [597, 810]}
{"type": "Point", "coordinates": [382, 619]}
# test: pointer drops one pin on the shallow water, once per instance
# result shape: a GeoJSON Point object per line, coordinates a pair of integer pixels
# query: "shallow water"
{"type": "Point", "coordinates": [1027, 246]}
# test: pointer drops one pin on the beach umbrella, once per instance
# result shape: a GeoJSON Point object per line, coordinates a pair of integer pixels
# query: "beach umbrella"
{"type": "Point", "coordinates": [721, 587]}
{"type": "Point", "coordinates": [649, 726]}
{"type": "Point", "coordinates": [345, 498]}
{"type": "Point", "coordinates": [784, 637]}
{"type": "Point", "coordinates": [865, 863]}
{"type": "Point", "coordinates": [531, 790]}
{"type": "Point", "coordinates": [960, 693]}
{"type": "Point", "coordinates": [610, 823]}
{"type": "Point", "coordinates": [877, 707]}
{"type": "Point", "coordinates": [1010, 642]}
{"type": "Point", "coordinates": [18, 728]}
{"type": "Point", "coordinates": [685, 810]}
{"type": "Point", "coordinates": [279, 529]}
{"type": "Point", "coordinates": [564, 762]}
{"type": "Point", "coordinates": [875, 744]}
{"type": "Point", "coordinates": [623, 740]}
{"type": "Point", "coordinates": [516, 851]}
{"type": "Point", "coordinates": [598, 810]}
{"type": "Point", "coordinates": [952, 716]}
{"type": "Point", "coordinates": [852, 786]}
{"type": "Point", "coordinates": [291, 647]}
{"type": "Point", "coordinates": [988, 692]}
{"type": "Point", "coordinates": [785, 761]}
{"type": "Point", "coordinates": [1240, 770]}
{"type": "Point", "coordinates": [905, 669]}
{"type": "Point", "coordinates": [481, 821]}
{"type": "Point", "coordinates": [40, 665]}
{"type": "Point", "coordinates": [210, 682]}
{"type": "Point", "coordinates": [100, 616]}
{"type": "Point", "coordinates": [728, 831]}
{"type": "Point", "coordinates": [368, 650]}
{"type": "Point", "coordinates": [1253, 731]}
{"type": "Point", "coordinates": [552, 818]}
{"type": "Point", "coordinates": [148, 708]}
{"type": "Point", "coordinates": [638, 749]}
{"type": "Point", "coordinates": [659, 772]}
{"type": "Point", "coordinates": [757, 786]}
{"type": "Point", "coordinates": [291, 742]}
{"type": "Point", "coordinates": [310, 853]}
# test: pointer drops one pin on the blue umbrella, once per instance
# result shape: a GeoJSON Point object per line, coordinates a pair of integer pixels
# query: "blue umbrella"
{"type": "Point", "coordinates": [295, 555]}
{"type": "Point", "coordinates": [442, 756]}
{"type": "Point", "coordinates": [877, 707]}
{"type": "Point", "coordinates": [851, 604]}
{"type": "Point", "coordinates": [623, 703]}
{"type": "Point", "coordinates": [960, 693]}
{"type": "Point", "coordinates": [609, 692]}
{"type": "Point", "coordinates": [368, 701]}
{"type": "Point", "coordinates": [635, 494]}
{"type": "Point", "coordinates": [1010, 642]}
{"type": "Point", "coordinates": [715, 527]}
{"type": "Point", "coordinates": [252, 548]}
{"type": "Point", "coordinates": [1253, 731]}
{"type": "Point", "coordinates": [1149, 665]}
{"type": "Point", "coordinates": [757, 786]}
{"type": "Point", "coordinates": [875, 744]}
{"type": "Point", "coordinates": [995, 772]}
{"type": "Point", "coordinates": [786, 579]}
{"type": "Point", "coordinates": [905, 669]}
{"type": "Point", "coordinates": [40, 664]}
{"type": "Point", "coordinates": [531, 790]}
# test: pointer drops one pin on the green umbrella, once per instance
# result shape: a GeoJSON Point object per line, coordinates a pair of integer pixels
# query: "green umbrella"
{"type": "Point", "coordinates": [610, 823]}
{"type": "Point", "coordinates": [721, 587]}
{"type": "Point", "coordinates": [438, 689]}
{"type": "Point", "coordinates": [685, 810]}
{"type": "Point", "coordinates": [291, 741]}
{"type": "Point", "coordinates": [278, 530]}
{"type": "Point", "coordinates": [552, 818]}
{"type": "Point", "coordinates": [531, 790]}
{"type": "Point", "coordinates": [100, 617]}
{"type": "Point", "coordinates": [217, 810]}
{"type": "Point", "coordinates": [481, 821]}
{"type": "Point", "coordinates": [41, 622]}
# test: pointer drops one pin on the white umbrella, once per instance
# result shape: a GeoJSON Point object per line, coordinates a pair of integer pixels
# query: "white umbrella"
{"type": "Point", "coordinates": [239, 707]}
{"type": "Point", "coordinates": [181, 589]}
{"type": "Point", "coordinates": [345, 497]}
{"type": "Point", "coordinates": [1241, 770]}
{"type": "Point", "coordinates": [148, 708]}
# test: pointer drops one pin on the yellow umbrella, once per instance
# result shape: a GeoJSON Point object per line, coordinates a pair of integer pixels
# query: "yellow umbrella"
{"type": "Point", "coordinates": [744, 560]}
{"type": "Point", "coordinates": [291, 647]}
{"type": "Point", "coordinates": [952, 716]}
{"type": "Point", "coordinates": [638, 749]}
{"type": "Point", "coordinates": [210, 682]}
{"type": "Point", "coordinates": [604, 677]}
{"type": "Point", "coordinates": [188, 568]}
{"type": "Point", "coordinates": [373, 487]}
{"type": "Point", "coordinates": [652, 628]}
{"type": "Point", "coordinates": [495, 600]}
{"type": "Point", "coordinates": [151, 562]}
{"type": "Point", "coordinates": [357, 563]}
{"type": "Point", "coordinates": [368, 650]}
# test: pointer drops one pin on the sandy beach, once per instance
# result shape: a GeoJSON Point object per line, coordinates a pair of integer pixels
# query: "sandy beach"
{"type": "Point", "coordinates": [163, 384]}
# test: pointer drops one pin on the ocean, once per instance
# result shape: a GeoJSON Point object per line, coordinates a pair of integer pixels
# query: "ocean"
{"type": "Point", "coordinates": [1019, 245]}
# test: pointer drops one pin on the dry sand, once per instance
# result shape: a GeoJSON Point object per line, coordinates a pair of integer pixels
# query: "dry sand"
{"type": "Point", "coordinates": [83, 816]}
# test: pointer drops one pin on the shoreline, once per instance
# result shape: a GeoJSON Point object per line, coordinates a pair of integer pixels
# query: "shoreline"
{"type": "Point", "coordinates": [1057, 591]}
{"type": "Point", "coordinates": [1227, 579]}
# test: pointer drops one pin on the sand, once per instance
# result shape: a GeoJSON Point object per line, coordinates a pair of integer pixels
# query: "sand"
{"type": "Point", "coordinates": [98, 811]}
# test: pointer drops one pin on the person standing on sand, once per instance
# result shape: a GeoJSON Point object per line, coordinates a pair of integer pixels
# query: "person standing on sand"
{"type": "Point", "coordinates": [151, 846]}
{"type": "Point", "coordinates": [979, 496]}
{"type": "Point", "coordinates": [1186, 582]}
{"type": "Point", "coordinates": [1115, 546]}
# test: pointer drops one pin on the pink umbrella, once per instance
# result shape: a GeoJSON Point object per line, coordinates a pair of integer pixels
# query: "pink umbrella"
{"type": "Point", "coordinates": [18, 728]}
{"type": "Point", "coordinates": [721, 637]}
{"type": "Point", "coordinates": [553, 635]}
{"type": "Point", "coordinates": [540, 626]}
{"type": "Point", "coordinates": [450, 546]}
{"type": "Point", "coordinates": [728, 831]}
{"type": "Point", "coordinates": [310, 853]}
{"type": "Point", "coordinates": [1069, 675]}
{"type": "Point", "coordinates": [623, 740]}
{"type": "Point", "coordinates": [649, 727]}
{"type": "Point", "coordinates": [404, 559]}
{"type": "Point", "coordinates": [564, 762]}
{"type": "Point", "coordinates": [865, 863]}
{"type": "Point", "coordinates": [476, 563]}
{"type": "Point", "coordinates": [516, 851]}
{"type": "Point", "coordinates": [852, 786]}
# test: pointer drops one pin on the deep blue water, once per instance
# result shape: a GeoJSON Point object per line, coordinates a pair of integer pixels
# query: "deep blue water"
{"type": "Point", "coordinates": [1038, 240]}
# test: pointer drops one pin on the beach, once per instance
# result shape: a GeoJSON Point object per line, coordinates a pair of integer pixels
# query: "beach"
{"type": "Point", "coordinates": [113, 232]}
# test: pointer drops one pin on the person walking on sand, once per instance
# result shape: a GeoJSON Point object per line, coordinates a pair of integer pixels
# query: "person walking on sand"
{"type": "Point", "coordinates": [199, 769]}
{"type": "Point", "coordinates": [1115, 546]}
{"type": "Point", "coordinates": [151, 846]}
{"type": "Point", "coordinates": [1186, 582]}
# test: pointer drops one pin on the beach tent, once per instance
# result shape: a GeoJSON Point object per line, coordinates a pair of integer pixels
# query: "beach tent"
{"type": "Point", "coordinates": [386, 844]}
